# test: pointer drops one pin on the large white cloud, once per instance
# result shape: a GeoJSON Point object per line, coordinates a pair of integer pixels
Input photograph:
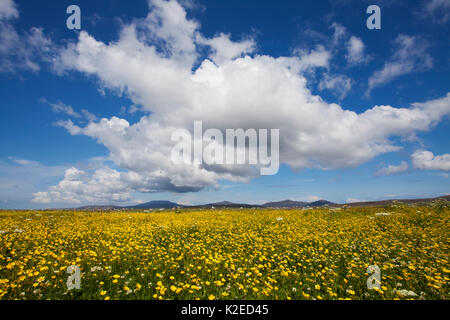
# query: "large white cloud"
{"type": "Point", "coordinates": [153, 62]}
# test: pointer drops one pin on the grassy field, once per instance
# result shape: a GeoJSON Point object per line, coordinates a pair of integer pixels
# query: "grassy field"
{"type": "Point", "coordinates": [226, 254]}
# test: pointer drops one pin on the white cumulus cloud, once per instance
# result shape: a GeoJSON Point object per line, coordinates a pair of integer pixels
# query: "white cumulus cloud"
{"type": "Point", "coordinates": [77, 187]}
{"type": "Point", "coordinates": [426, 160]}
{"type": "Point", "coordinates": [157, 64]}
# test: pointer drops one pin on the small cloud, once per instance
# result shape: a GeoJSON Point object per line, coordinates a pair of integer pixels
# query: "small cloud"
{"type": "Point", "coordinates": [132, 109]}
{"type": "Point", "coordinates": [309, 198]}
{"type": "Point", "coordinates": [185, 203]}
{"type": "Point", "coordinates": [426, 160]}
{"type": "Point", "coordinates": [339, 32]}
{"type": "Point", "coordinates": [392, 169]}
{"type": "Point", "coordinates": [316, 58]}
{"type": "Point", "coordinates": [437, 10]}
{"type": "Point", "coordinates": [410, 56]}
{"type": "Point", "coordinates": [352, 200]}
{"type": "Point", "coordinates": [93, 19]}
{"type": "Point", "coordinates": [355, 51]}
{"type": "Point", "coordinates": [21, 51]}
{"type": "Point", "coordinates": [340, 85]}
{"type": "Point", "coordinates": [41, 197]}
{"type": "Point", "coordinates": [60, 107]}
{"type": "Point", "coordinates": [24, 162]}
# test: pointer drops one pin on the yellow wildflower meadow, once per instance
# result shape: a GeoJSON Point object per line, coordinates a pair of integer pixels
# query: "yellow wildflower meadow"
{"type": "Point", "coordinates": [226, 254]}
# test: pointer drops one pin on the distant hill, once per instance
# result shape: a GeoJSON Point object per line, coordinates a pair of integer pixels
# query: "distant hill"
{"type": "Point", "coordinates": [383, 203]}
{"type": "Point", "coordinates": [98, 208]}
{"type": "Point", "coordinates": [321, 203]}
{"type": "Point", "coordinates": [156, 204]}
{"type": "Point", "coordinates": [297, 204]}
{"type": "Point", "coordinates": [286, 204]}
{"type": "Point", "coordinates": [226, 204]}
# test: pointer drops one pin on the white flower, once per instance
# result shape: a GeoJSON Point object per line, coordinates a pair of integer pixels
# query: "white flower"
{"type": "Point", "coordinates": [96, 268]}
{"type": "Point", "coordinates": [279, 218]}
{"type": "Point", "coordinates": [405, 293]}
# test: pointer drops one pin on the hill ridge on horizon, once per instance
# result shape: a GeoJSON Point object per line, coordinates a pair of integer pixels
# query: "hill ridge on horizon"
{"type": "Point", "coordinates": [166, 204]}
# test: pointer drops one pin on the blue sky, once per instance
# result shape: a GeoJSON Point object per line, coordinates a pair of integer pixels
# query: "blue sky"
{"type": "Point", "coordinates": [84, 119]}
